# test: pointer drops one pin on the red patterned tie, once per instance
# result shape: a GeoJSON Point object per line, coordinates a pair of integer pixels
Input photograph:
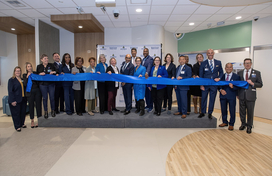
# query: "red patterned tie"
{"type": "Point", "coordinates": [247, 75]}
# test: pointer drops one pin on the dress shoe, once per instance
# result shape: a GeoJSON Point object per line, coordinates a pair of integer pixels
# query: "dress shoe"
{"type": "Point", "coordinates": [110, 112]}
{"type": "Point", "coordinates": [69, 113]}
{"type": "Point", "coordinates": [24, 126]}
{"type": "Point", "coordinates": [57, 112]}
{"type": "Point", "coordinates": [18, 129]}
{"type": "Point", "coordinates": [248, 129]}
{"type": "Point", "coordinates": [123, 111]}
{"type": "Point", "coordinates": [158, 114]}
{"type": "Point", "coordinates": [101, 112]}
{"type": "Point", "coordinates": [188, 113]}
{"type": "Point", "coordinates": [223, 125]}
{"type": "Point", "coordinates": [164, 109]}
{"type": "Point", "coordinates": [210, 116]}
{"type": "Point", "coordinates": [155, 112]}
{"type": "Point", "coordinates": [115, 110]}
{"type": "Point", "coordinates": [80, 114]}
{"type": "Point", "coordinates": [183, 116]}
{"type": "Point", "coordinates": [127, 112]}
{"type": "Point", "coordinates": [137, 111]}
{"type": "Point", "coordinates": [242, 127]}
{"type": "Point", "coordinates": [169, 112]}
{"type": "Point", "coordinates": [177, 113]}
{"type": "Point", "coordinates": [53, 113]}
{"type": "Point", "coordinates": [230, 128]}
{"type": "Point", "coordinates": [149, 110]}
{"type": "Point", "coordinates": [91, 113]}
{"type": "Point", "coordinates": [201, 115]}
{"type": "Point", "coordinates": [46, 114]}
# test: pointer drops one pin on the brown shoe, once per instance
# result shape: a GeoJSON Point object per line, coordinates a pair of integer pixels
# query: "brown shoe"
{"type": "Point", "coordinates": [177, 113]}
{"type": "Point", "coordinates": [230, 128]}
{"type": "Point", "coordinates": [223, 125]}
{"type": "Point", "coordinates": [183, 116]}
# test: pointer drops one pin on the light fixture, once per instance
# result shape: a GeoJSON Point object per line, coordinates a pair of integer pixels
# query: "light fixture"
{"type": "Point", "coordinates": [239, 17]}
{"type": "Point", "coordinates": [139, 10]}
{"type": "Point", "coordinates": [191, 24]}
{"type": "Point", "coordinates": [247, 49]}
{"type": "Point", "coordinates": [80, 27]}
{"type": "Point", "coordinates": [13, 29]}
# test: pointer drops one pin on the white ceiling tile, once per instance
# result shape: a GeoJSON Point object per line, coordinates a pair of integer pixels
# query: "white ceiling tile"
{"type": "Point", "coordinates": [253, 9]}
{"type": "Point", "coordinates": [69, 10]}
{"type": "Point", "coordinates": [207, 10]}
{"type": "Point", "coordinates": [4, 6]}
{"type": "Point", "coordinates": [217, 17]}
{"type": "Point", "coordinates": [186, 28]}
{"type": "Point", "coordinates": [122, 10]}
{"type": "Point", "coordinates": [186, 2]}
{"type": "Point", "coordinates": [132, 9]}
{"type": "Point", "coordinates": [121, 24]}
{"type": "Point", "coordinates": [102, 18]}
{"type": "Point", "coordinates": [183, 31]}
{"type": "Point", "coordinates": [244, 16]}
{"type": "Point", "coordinates": [107, 24]}
{"type": "Point", "coordinates": [32, 13]}
{"type": "Point", "coordinates": [200, 28]}
{"type": "Point", "coordinates": [164, 2]}
{"type": "Point", "coordinates": [38, 4]}
{"type": "Point", "coordinates": [139, 3]}
{"type": "Point", "coordinates": [230, 10]}
{"type": "Point", "coordinates": [93, 10]}
{"type": "Point", "coordinates": [260, 15]}
{"type": "Point", "coordinates": [171, 28]}
{"type": "Point", "coordinates": [1, 14]}
{"type": "Point", "coordinates": [158, 17]}
{"type": "Point", "coordinates": [161, 23]}
{"type": "Point", "coordinates": [13, 13]}
{"type": "Point", "coordinates": [133, 24]}
{"type": "Point", "coordinates": [229, 22]}
{"type": "Point", "coordinates": [205, 23]}
{"type": "Point", "coordinates": [185, 9]}
{"type": "Point", "coordinates": [120, 3]}
{"type": "Point", "coordinates": [85, 3]}
{"type": "Point", "coordinates": [173, 24]}
{"type": "Point", "coordinates": [65, 3]}
{"type": "Point", "coordinates": [178, 18]}
{"type": "Point", "coordinates": [162, 10]}
{"type": "Point", "coordinates": [198, 17]}
{"type": "Point", "coordinates": [120, 18]}
{"type": "Point", "coordinates": [138, 18]}
{"type": "Point", "coordinates": [28, 21]}
{"type": "Point", "coordinates": [186, 24]}
{"type": "Point", "coordinates": [49, 12]}
{"type": "Point", "coordinates": [267, 10]}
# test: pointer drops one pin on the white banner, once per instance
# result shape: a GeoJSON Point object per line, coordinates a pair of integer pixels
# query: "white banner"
{"type": "Point", "coordinates": [119, 52]}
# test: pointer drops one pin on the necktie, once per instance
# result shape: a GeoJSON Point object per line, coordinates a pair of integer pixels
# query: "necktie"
{"type": "Point", "coordinates": [211, 65]}
{"type": "Point", "coordinates": [227, 78]}
{"type": "Point", "coordinates": [125, 66]}
{"type": "Point", "coordinates": [246, 75]}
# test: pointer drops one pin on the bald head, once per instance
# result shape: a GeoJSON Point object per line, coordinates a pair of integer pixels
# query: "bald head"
{"type": "Point", "coordinates": [210, 54]}
{"type": "Point", "coordinates": [128, 58]}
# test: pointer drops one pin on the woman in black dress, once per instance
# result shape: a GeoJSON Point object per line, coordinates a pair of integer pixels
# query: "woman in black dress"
{"type": "Point", "coordinates": [195, 90]}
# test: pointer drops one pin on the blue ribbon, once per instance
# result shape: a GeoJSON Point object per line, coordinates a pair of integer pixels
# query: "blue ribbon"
{"type": "Point", "coordinates": [132, 79]}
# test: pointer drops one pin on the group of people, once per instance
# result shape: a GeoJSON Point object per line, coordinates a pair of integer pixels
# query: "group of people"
{"type": "Point", "coordinates": [158, 96]}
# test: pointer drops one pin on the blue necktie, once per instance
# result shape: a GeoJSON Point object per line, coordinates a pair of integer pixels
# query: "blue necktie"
{"type": "Point", "coordinates": [178, 71]}
{"type": "Point", "coordinates": [211, 65]}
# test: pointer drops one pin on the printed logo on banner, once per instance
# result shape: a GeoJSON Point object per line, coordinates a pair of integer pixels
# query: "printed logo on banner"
{"type": "Point", "coordinates": [113, 48]}
{"type": "Point", "coordinates": [103, 48]}
{"type": "Point", "coordinates": [154, 47]}
{"type": "Point", "coordinates": [113, 56]}
{"type": "Point", "coordinates": [123, 48]}
{"type": "Point", "coordinates": [122, 55]}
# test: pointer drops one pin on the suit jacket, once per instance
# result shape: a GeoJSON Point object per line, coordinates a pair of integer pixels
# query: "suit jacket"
{"type": "Point", "coordinates": [111, 84]}
{"type": "Point", "coordinates": [64, 69]}
{"type": "Point", "coordinates": [205, 70]}
{"type": "Point", "coordinates": [161, 71]}
{"type": "Point", "coordinates": [35, 84]}
{"type": "Point", "coordinates": [148, 63]}
{"type": "Point", "coordinates": [171, 70]}
{"type": "Point", "coordinates": [129, 69]}
{"type": "Point", "coordinates": [40, 69]}
{"type": "Point", "coordinates": [14, 91]}
{"type": "Point", "coordinates": [186, 72]}
{"type": "Point", "coordinates": [100, 68]}
{"type": "Point", "coordinates": [250, 93]}
{"type": "Point", "coordinates": [58, 83]}
{"type": "Point", "coordinates": [231, 92]}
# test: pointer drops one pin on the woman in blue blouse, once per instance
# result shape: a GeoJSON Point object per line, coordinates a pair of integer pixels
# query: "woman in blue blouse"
{"type": "Point", "coordinates": [101, 85]}
{"type": "Point", "coordinates": [157, 91]}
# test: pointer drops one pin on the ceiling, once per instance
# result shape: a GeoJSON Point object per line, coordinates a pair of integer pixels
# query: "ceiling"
{"type": "Point", "coordinates": [8, 23]}
{"type": "Point", "coordinates": [174, 15]}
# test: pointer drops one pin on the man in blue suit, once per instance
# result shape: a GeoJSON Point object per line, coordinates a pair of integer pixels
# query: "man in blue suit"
{"type": "Point", "coordinates": [148, 64]}
{"type": "Point", "coordinates": [228, 97]}
{"type": "Point", "coordinates": [182, 72]}
{"type": "Point", "coordinates": [211, 69]}
{"type": "Point", "coordinates": [127, 68]}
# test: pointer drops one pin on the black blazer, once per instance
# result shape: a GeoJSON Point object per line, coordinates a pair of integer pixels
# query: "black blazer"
{"type": "Point", "coordinates": [35, 84]}
{"type": "Point", "coordinates": [171, 70]}
{"type": "Point", "coordinates": [111, 84]}
{"type": "Point", "coordinates": [196, 69]}
{"type": "Point", "coordinates": [58, 83]}
{"type": "Point", "coordinates": [14, 91]}
{"type": "Point", "coordinates": [40, 69]}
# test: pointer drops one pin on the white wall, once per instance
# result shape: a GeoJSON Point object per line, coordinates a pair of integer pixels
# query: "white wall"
{"type": "Point", "coordinates": [117, 36]}
{"type": "Point", "coordinates": [8, 62]}
{"type": "Point", "coordinates": [67, 43]}
{"type": "Point", "coordinates": [261, 31]}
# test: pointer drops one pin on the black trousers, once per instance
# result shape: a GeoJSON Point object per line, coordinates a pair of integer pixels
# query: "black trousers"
{"type": "Point", "coordinates": [59, 98]}
{"type": "Point", "coordinates": [157, 96]}
{"type": "Point", "coordinates": [80, 102]}
{"type": "Point", "coordinates": [246, 109]}
{"type": "Point", "coordinates": [18, 113]}
{"type": "Point", "coordinates": [35, 99]}
{"type": "Point", "coordinates": [168, 96]}
{"type": "Point", "coordinates": [103, 96]}
{"type": "Point", "coordinates": [189, 101]}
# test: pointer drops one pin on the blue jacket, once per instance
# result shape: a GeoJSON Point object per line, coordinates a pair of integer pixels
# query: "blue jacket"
{"type": "Point", "coordinates": [139, 89]}
{"type": "Point", "coordinates": [186, 72]}
{"type": "Point", "coordinates": [128, 71]}
{"type": "Point", "coordinates": [148, 63]}
{"type": "Point", "coordinates": [161, 71]}
{"type": "Point", "coordinates": [231, 92]}
{"type": "Point", "coordinates": [100, 68]}
{"type": "Point", "coordinates": [14, 90]}
{"type": "Point", "coordinates": [205, 70]}
{"type": "Point", "coordinates": [65, 69]}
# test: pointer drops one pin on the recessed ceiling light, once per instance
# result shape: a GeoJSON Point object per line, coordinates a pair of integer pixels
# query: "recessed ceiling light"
{"type": "Point", "coordinates": [139, 10]}
{"type": "Point", "coordinates": [239, 17]}
{"type": "Point", "coordinates": [13, 29]}
{"type": "Point", "coordinates": [191, 24]}
{"type": "Point", "coordinates": [80, 27]}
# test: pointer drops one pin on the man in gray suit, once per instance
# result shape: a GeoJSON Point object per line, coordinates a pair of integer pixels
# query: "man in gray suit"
{"type": "Point", "coordinates": [247, 97]}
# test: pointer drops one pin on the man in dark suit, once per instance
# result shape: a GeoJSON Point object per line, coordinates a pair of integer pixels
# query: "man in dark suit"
{"type": "Point", "coordinates": [148, 64]}
{"type": "Point", "coordinates": [59, 92]}
{"type": "Point", "coordinates": [127, 68]}
{"type": "Point", "coordinates": [211, 69]}
{"type": "Point", "coordinates": [228, 97]}
{"type": "Point", "coordinates": [247, 97]}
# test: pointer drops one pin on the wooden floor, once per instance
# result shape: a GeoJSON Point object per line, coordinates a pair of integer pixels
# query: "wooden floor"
{"type": "Point", "coordinates": [221, 152]}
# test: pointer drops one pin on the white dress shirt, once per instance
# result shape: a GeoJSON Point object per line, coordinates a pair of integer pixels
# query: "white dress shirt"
{"type": "Point", "coordinates": [226, 75]}
{"type": "Point", "coordinates": [210, 62]}
{"type": "Point", "coordinates": [116, 72]}
{"type": "Point", "coordinates": [67, 65]}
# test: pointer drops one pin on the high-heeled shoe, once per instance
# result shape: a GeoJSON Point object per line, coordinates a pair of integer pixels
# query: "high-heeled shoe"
{"type": "Point", "coordinates": [18, 129]}
{"type": "Point", "coordinates": [24, 126]}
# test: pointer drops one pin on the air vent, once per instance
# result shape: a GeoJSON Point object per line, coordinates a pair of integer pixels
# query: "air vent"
{"type": "Point", "coordinates": [16, 3]}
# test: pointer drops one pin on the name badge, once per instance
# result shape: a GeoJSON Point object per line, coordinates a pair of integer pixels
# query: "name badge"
{"type": "Point", "coordinates": [253, 75]}
{"type": "Point", "coordinates": [206, 69]}
{"type": "Point", "coordinates": [182, 72]}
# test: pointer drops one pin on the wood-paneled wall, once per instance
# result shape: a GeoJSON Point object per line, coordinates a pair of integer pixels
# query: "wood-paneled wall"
{"type": "Point", "coordinates": [26, 50]}
{"type": "Point", "coordinates": [85, 45]}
